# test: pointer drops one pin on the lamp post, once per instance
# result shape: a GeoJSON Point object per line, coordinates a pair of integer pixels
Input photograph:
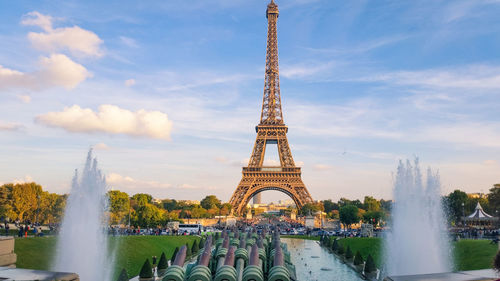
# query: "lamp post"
{"type": "Point", "coordinates": [463, 214]}
{"type": "Point", "coordinates": [38, 208]}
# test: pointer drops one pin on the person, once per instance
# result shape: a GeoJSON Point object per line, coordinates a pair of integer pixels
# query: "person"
{"type": "Point", "coordinates": [21, 231]}
{"type": "Point", "coordinates": [7, 227]}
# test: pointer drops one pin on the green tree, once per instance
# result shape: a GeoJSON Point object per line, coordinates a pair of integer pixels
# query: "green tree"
{"type": "Point", "coordinates": [335, 245]}
{"type": "Point", "coordinates": [226, 209]}
{"type": "Point", "coordinates": [386, 205]}
{"type": "Point", "coordinates": [119, 205]}
{"type": "Point", "coordinates": [195, 248]}
{"type": "Point", "coordinates": [25, 198]}
{"type": "Point", "coordinates": [210, 202]}
{"type": "Point", "coordinates": [348, 252]}
{"type": "Point", "coordinates": [123, 275]}
{"type": "Point", "coordinates": [329, 206]}
{"type": "Point", "coordinates": [370, 264]}
{"type": "Point", "coordinates": [141, 199]}
{"type": "Point", "coordinates": [6, 209]}
{"type": "Point", "coordinates": [146, 270]}
{"type": "Point", "coordinates": [148, 215]}
{"type": "Point", "coordinates": [162, 263]}
{"type": "Point", "coordinates": [198, 212]}
{"type": "Point", "coordinates": [494, 198]}
{"type": "Point", "coordinates": [311, 208]}
{"type": "Point", "coordinates": [373, 217]}
{"type": "Point", "coordinates": [340, 249]}
{"type": "Point", "coordinates": [371, 204]}
{"type": "Point", "coordinates": [348, 215]}
{"type": "Point", "coordinates": [170, 204]}
{"type": "Point", "coordinates": [358, 259]}
{"type": "Point", "coordinates": [454, 202]}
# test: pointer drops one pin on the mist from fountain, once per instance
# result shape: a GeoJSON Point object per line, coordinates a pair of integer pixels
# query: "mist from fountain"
{"type": "Point", "coordinates": [82, 242]}
{"type": "Point", "coordinates": [417, 242]}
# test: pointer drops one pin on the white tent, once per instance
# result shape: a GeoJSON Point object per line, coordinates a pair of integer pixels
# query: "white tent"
{"type": "Point", "coordinates": [479, 214]}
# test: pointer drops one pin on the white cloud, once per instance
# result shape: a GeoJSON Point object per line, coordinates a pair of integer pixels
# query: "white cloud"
{"type": "Point", "coordinates": [101, 146]}
{"type": "Point", "coordinates": [476, 134]}
{"type": "Point", "coordinates": [37, 19]}
{"type": "Point", "coordinates": [9, 126]}
{"type": "Point", "coordinates": [55, 70]}
{"type": "Point", "coordinates": [129, 42]}
{"type": "Point", "coordinates": [24, 98]}
{"type": "Point", "coordinates": [110, 119]}
{"type": "Point", "coordinates": [76, 40]}
{"type": "Point", "coordinates": [490, 162]}
{"type": "Point", "coordinates": [26, 179]}
{"type": "Point", "coordinates": [130, 82]}
{"type": "Point", "coordinates": [60, 70]}
{"type": "Point", "coordinates": [465, 77]}
{"type": "Point", "coordinates": [322, 167]}
{"type": "Point", "coordinates": [305, 69]}
{"type": "Point", "coordinates": [118, 181]}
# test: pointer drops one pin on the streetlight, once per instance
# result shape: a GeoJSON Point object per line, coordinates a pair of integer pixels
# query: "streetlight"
{"type": "Point", "coordinates": [38, 208]}
{"type": "Point", "coordinates": [463, 214]}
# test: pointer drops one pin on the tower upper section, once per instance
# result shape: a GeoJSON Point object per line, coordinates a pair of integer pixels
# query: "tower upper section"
{"type": "Point", "coordinates": [271, 103]}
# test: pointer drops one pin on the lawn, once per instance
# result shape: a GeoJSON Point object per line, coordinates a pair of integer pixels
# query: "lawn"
{"type": "Point", "coordinates": [131, 251]}
{"type": "Point", "coordinates": [306, 237]}
{"type": "Point", "coordinates": [468, 254]}
{"type": "Point", "coordinates": [474, 254]}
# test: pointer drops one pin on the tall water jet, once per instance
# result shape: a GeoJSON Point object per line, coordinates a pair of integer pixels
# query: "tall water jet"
{"type": "Point", "coordinates": [82, 243]}
{"type": "Point", "coordinates": [417, 242]}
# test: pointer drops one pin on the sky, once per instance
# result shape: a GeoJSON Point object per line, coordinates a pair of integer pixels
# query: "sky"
{"type": "Point", "coordinates": [168, 93]}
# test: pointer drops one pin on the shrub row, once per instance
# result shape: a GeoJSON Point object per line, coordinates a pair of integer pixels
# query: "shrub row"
{"type": "Point", "coordinates": [338, 248]}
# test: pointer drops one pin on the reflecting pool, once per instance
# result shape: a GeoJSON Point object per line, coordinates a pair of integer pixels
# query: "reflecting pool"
{"type": "Point", "coordinates": [314, 263]}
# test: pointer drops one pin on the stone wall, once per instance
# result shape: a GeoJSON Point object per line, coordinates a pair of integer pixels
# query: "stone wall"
{"type": "Point", "coordinates": [7, 256]}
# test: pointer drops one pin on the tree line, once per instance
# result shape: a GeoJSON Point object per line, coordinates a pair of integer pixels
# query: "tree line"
{"type": "Point", "coordinates": [350, 212]}
{"type": "Point", "coordinates": [28, 202]}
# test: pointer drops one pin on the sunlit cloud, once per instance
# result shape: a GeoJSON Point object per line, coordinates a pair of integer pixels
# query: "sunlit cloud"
{"type": "Point", "coordinates": [55, 70]}
{"type": "Point", "coordinates": [76, 40]}
{"type": "Point", "coordinates": [110, 119]}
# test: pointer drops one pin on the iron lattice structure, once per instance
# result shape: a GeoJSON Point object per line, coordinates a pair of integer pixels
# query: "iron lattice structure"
{"type": "Point", "coordinates": [271, 130]}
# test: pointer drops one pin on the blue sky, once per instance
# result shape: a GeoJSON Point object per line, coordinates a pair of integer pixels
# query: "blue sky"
{"type": "Point", "coordinates": [169, 92]}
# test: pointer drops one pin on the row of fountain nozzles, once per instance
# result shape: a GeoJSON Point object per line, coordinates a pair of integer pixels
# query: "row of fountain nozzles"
{"type": "Point", "coordinates": [236, 258]}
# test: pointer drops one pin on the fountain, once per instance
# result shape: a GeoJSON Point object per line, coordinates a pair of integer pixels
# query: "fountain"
{"type": "Point", "coordinates": [417, 242]}
{"type": "Point", "coordinates": [82, 244]}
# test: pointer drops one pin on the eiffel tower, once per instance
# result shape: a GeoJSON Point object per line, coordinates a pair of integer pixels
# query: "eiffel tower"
{"type": "Point", "coordinates": [271, 131]}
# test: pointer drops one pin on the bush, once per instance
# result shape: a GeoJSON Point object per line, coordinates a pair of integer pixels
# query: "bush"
{"type": "Point", "coordinates": [370, 264]}
{"type": "Point", "coordinates": [335, 245]}
{"type": "Point", "coordinates": [188, 250]}
{"type": "Point", "coordinates": [173, 255]}
{"type": "Point", "coordinates": [348, 253]}
{"type": "Point", "coordinates": [162, 264]}
{"type": "Point", "coordinates": [340, 249]}
{"type": "Point", "coordinates": [123, 275]}
{"type": "Point", "coordinates": [217, 235]}
{"type": "Point", "coordinates": [195, 247]}
{"type": "Point", "coordinates": [358, 259]}
{"type": "Point", "coordinates": [146, 270]}
{"type": "Point", "coordinates": [328, 242]}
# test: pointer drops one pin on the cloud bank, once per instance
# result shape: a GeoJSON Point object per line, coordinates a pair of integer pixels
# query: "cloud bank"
{"type": "Point", "coordinates": [110, 119]}
{"type": "Point", "coordinates": [78, 41]}
{"type": "Point", "coordinates": [55, 70]}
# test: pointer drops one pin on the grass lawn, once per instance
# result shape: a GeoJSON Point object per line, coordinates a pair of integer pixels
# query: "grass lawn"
{"type": "Point", "coordinates": [301, 237]}
{"type": "Point", "coordinates": [365, 246]}
{"type": "Point", "coordinates": [131, 251]}
{"type": "Point", "coordinates": [474, 254]}
{"type": "Point", "coordinates": [468, 254]}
